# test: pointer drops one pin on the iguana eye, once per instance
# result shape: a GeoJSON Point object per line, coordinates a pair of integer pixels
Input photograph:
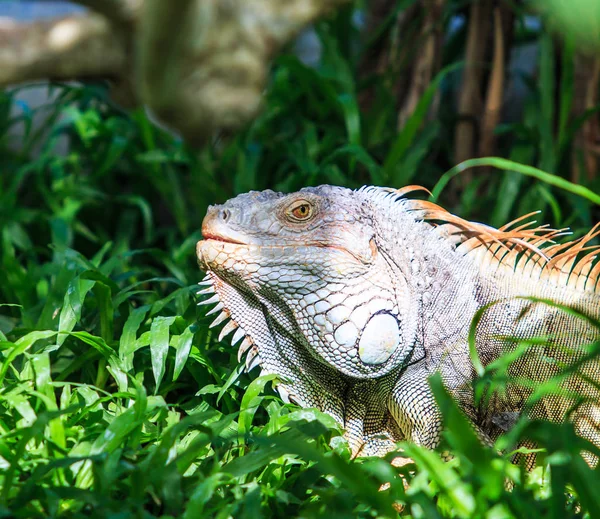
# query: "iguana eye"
{"type": "Point", "coordinates": [300, 211]}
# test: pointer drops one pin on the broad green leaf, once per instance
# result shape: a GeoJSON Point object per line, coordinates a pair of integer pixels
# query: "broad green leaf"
{"type": "Point", "coordinates": [182, 350]}
{"type": "Point", "coordinates": [22, 345]}
{"type": "Point", "coordinates": [128, 337]}
{"type": "Point", "coordinates": [251, 401]}
{"type": "Point", "coordinates": [72, 304]}
{"type": "Point", "coordinates": [159, 346]}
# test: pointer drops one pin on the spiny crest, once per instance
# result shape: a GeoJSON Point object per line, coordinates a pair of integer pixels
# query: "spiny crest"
{"type": "Point", "coordinates": [518, 246]}
{"type": "Point", "coordinates": [247, 346]}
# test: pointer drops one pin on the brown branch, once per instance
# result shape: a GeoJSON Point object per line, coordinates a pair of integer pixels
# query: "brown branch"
{"type": "Point", "coordinates": [204, 64]}
{"type": "Point", "coordinates": [376, 54]}
{"type": "Point", "coordinates": [495, 92]}
{"type": "Point", "coordinates": [388, 53]}
{"type": "Point", "coordinates": [585, 97]}
{"type": "Point", "coordinates": [66, 48]}
{"type": "Point", "coordinates": [469, 102]}
{"type": "Point", "coordinates": [199, 65]}
{"type": "Point", "coordinates": [591, 128]}
{"type": "Point", "coordinates": [427, 62]}
{"type": "Point", "coordinates": [283, 20]}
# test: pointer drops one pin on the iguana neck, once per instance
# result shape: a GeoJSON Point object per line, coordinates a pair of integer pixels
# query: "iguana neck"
{"type": "Point", "coordinates": [438, 278]}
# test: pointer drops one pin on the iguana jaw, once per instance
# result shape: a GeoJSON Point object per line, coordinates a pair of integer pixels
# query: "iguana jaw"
{"type": "Point", "coordinates": [333, 322]}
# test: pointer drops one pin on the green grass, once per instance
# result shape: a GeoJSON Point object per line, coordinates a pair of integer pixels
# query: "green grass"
{"type": "Point", "coordinates": [117, 400]}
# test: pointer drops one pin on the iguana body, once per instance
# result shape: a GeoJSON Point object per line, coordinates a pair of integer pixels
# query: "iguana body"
{"type": "Point", "coordinates": [353, 298]}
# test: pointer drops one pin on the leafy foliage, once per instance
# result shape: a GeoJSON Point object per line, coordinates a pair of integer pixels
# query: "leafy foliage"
{"type": "Point", "coordinates": [116, 399]}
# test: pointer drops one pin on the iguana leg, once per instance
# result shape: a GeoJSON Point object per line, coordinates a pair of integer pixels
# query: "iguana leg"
{"type": "Point", "coordinates": [370, 430]}
{"type": "Point", "coordinates": [413, 406]}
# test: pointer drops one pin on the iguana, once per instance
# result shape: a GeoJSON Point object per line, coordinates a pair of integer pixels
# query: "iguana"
{"type": "Point", "coordinates": [354, 297]}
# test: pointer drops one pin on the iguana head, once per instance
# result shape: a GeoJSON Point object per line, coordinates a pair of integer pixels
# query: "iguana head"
{"type": "Point", "coordinates": [313, 263]}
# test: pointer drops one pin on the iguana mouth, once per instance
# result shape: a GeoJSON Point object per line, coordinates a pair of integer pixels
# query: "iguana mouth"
{"type": "Point", "coordinates": [215, 237]}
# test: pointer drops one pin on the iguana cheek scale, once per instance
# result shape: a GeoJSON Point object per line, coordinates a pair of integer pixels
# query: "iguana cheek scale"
{"type": "Point", "coordinates": [379, 339]}
{"type": "Point", "coordinates": [353, 298]}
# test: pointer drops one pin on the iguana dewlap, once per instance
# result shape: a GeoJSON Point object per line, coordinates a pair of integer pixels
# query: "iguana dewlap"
{"type": "Point", "coordinates": [353, 298]}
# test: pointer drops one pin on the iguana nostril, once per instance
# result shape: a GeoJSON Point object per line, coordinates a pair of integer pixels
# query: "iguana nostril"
{"type": "Point", "coordinates": [225, 214]}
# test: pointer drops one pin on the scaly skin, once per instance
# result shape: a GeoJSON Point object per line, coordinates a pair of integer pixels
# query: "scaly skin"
{"type": "Point", "coordinates": [353, 299]}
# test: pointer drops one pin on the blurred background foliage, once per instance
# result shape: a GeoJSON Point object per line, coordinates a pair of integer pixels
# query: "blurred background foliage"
{"type": "Point", "coordinates": [116, 398]}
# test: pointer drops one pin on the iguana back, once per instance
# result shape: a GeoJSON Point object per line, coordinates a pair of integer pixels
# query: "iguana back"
{"type": "Point", "coordinates": [353, 298]}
